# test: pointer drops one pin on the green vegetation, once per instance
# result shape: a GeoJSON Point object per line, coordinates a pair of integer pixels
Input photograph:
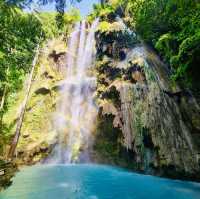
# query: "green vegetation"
{"type": "Point", "coordinates": [20, 33]}
{"type": "Point", "coordinates": [174, 33]}
{"type": "Point", "coordinates": [173, 28]}
{"type": "Point", "coordinates": [101, 11]}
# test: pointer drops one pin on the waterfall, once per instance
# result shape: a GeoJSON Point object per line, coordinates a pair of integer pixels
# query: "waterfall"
{"type": "Point", "coordinates": [76, 111]}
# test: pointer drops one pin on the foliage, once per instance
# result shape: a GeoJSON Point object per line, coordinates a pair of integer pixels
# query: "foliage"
{"type": "Point", "coordinates": [49, 25]}
{"type": "Point", "coordinates": [101, 11]}
{"type": "Point", "coordinates": [52, 26]}
{"type": "Point", "coordinates": [69, 19]}
{"type": "Point", "coordinates": [20, 32]}
{"type": "Point", "coordinates": [104, 26]}
{"type": "Point", "coordinates": [18, 37]}
{"type": "Point", "coordinates": [60, 6]}
{"type": "Point", "coordinates": [173, 28]}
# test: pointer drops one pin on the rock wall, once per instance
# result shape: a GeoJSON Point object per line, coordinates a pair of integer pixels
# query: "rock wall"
{"type": "Point", "coordinates": [7, 171]}
{"type": "Point", "coordinates": [38, 136]}
{"type": "Point", "coordinates": [146, 122]}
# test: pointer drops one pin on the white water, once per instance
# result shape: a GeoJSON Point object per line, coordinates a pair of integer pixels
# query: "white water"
{"type": "Point", "coordinates": [76, 112]}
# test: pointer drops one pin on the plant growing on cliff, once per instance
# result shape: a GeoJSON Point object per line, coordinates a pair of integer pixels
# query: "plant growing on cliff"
{"type": "Point", "coordinates": [20, 32]}
{"type": "Point", "coordinates": [172, 27]}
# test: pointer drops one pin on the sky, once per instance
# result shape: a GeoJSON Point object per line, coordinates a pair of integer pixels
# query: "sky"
{"type": "Point", "coordinates": [85, 7]}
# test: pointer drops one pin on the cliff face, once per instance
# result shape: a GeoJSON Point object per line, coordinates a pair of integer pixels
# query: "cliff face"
{"type": "Point", "coordinates": [145, 121]}
{"type": "Point", "coordinates": [38, 136]}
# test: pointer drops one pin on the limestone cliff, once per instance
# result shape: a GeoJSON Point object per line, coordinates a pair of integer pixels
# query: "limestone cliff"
{"type": "Point", "coordinates": [145, 121]}
{"type": "Point", "coordinates": [38, 136]}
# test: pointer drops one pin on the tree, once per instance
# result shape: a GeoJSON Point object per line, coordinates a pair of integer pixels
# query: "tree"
{"type": "Point", "coordinates": [21, 117]}
{"type": "Point", "coordinates": [20, 32]}
{"type": "Point", "coordinates": [19, 35]}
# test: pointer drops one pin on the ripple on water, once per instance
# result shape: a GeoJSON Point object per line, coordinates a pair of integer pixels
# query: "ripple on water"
{"type": "Point", "coordinates": [94, 182]}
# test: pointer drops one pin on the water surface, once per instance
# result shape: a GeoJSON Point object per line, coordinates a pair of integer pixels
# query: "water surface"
{"type": "Point", "coordinates": [94, 182]}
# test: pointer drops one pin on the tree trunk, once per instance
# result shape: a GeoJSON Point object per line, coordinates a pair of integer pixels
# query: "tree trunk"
{"type": "Point", "coordinates": [3, 98]}
{"type": "Point", "coordinates": [1, 107]}
{"type": "Point", "coordinates": [23, 108]}
{"type": "Point", "coordinates": [4, 92]}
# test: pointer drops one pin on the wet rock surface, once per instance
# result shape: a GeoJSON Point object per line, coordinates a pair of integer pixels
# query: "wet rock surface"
{"type": "Point", "coordinates": [38, 137]}
{"type": "Point", "coordinates": [149, 124]}
{"type": "Point", "coordinates": [7, 171]}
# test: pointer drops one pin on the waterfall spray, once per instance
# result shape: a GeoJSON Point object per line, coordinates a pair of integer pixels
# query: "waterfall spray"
{"type": "Point", "coordinates": [76, 111]}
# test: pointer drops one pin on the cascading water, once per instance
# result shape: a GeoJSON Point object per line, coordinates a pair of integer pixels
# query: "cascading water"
{"type": "Point", "coordinates": [76, 110]}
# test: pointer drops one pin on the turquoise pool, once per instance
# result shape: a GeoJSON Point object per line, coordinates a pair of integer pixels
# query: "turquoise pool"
{"type": "Point", "coordinates": [94, 182]}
